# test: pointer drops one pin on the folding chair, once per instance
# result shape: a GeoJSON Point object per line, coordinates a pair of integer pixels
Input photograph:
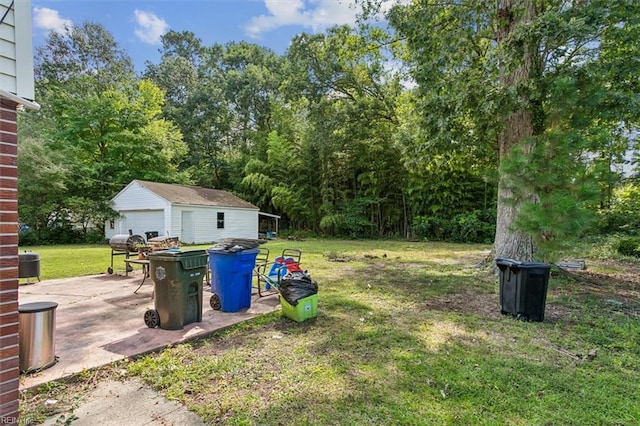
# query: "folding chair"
{"type": "Point", "coordinates": [289, 261]}
{"type": "Point", "coordinates": [262, 261]}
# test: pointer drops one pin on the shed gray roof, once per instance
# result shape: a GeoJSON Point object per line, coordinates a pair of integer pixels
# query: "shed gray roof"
{"type": "Point", "coordinates": [195, 195]}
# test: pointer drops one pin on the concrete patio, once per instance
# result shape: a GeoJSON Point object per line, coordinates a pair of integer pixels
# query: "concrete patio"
{"type": "Point", "coordinates": [99, 320]}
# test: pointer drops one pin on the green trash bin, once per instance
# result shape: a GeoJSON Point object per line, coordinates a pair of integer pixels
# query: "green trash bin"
{"type": "Point", "coordinates": [177, 277]}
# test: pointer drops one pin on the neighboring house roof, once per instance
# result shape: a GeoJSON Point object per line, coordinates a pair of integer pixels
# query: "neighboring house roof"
{"type": "Point", "coordinates": [195, 195]}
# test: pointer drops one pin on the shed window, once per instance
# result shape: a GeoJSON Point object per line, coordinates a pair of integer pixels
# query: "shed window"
{"type": "Point", "coordinates": [220, 220]}
{"type": "Point", "coordinates": [112, 224]}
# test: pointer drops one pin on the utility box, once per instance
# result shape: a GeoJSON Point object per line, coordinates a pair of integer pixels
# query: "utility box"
{"type": "Point", "coordinates": [177, 277]}
{"type": "Point", "coordinates": [523, 288]}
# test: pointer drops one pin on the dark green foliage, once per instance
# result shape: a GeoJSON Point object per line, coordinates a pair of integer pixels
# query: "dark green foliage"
{"type": "Point", "coordinates": [629, 247]}
{"type": "Point", "coordinates": [477, 226]}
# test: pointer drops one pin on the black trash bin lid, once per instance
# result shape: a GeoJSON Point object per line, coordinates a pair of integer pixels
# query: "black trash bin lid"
{"type": "Point", "coordinates": [36, 307]}
{"type": "Point", "coordinates": [28, 256]}
{"type": "Point", "coordinates": [512, 263]}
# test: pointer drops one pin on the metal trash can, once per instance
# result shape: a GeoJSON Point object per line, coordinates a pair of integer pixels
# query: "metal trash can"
{"type": "Point", "coordinates": [231, 277]}
{"type": "Point", "coordinates": [37, 326]}
{"type": "Point", "coordinates": [29, 265]}
{"type": "Point", "coordinates": [177, 277]}
{"type": "Point", "coordinates": [523, 288]}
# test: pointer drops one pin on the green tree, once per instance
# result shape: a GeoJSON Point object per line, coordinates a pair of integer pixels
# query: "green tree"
{"type": "Point", "coordinates": [534, 79]}
{"type": "Point", "coordinates": [222, 104]}
{"type": "Point", "coordinates": [351, 120]}
{"type": "Point", "coordinates": [102, 124]}
{"type": "Point", "coordinates": [41, 184]}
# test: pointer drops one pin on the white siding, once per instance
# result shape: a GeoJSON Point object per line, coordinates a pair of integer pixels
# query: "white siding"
{"type": "Point", "coordinates": [140, 222]}
{"type": "Point", "coordinates": [145, 206]}
{"type": "Point", "coordinates": [16, 49]}
{"type": "Point", "coordinates": [137, 197]}
{"type": "Point", "coordinates": [238, 223]}
{"type": "Point", "coordinates": [139, 203]}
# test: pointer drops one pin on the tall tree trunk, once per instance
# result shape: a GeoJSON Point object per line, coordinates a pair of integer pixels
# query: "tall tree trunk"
{"type": "Point", "coordinates": [517, 127]}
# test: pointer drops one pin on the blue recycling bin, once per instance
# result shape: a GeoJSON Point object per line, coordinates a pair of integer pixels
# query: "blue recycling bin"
{"type": "Point", "coordinates": [231, 278]}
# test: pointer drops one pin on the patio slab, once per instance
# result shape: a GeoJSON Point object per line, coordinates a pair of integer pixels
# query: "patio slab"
{"type": "Point", "coordinates": [99, 320]}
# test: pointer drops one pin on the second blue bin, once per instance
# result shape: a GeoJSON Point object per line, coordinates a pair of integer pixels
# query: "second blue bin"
{"type": "Point", "coordinates": [231, 278]}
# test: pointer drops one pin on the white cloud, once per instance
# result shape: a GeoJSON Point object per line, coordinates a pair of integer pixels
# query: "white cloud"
{"type": "Point", "coordinates": [314, 14]}
{"type": "Point", "coordinates": [50, 20]}
{"type": "Point", "coordinates": [149, 27]}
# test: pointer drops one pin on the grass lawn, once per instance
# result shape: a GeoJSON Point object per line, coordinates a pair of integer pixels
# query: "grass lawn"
{"type": "Point", "coordinates": [406, 333]}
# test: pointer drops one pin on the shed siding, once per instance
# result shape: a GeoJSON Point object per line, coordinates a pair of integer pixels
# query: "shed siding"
{"type": "Point", "coordinates": [239, 223]}
{"type": "Point", "coordinates": [139, 222]}
{"type": "Point", "coordinates": [136, 197]}
{"type": "Point", "coordinates": [140, 200]}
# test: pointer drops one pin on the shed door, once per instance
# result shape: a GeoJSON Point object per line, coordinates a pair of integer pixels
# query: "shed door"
{"type": "Point", "coordinates": [143, 221]}
{"type": "Point", "coordinates": [188, 234]}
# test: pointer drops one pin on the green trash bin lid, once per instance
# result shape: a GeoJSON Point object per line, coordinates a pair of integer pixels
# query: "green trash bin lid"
{"type": "Point", "coordinates": [195, 258]}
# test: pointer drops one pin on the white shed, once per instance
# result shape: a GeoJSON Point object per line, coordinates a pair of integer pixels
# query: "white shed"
{"type": "Point", "coordinates": [193, 214]}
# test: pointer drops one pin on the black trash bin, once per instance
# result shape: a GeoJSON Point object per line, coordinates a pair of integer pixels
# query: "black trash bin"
{"type": "Point", "coordinates": [177, 277]}
{"type": "Point", "coordinates": [29, 265]}
{"type": "Point", "coordinates": [523, 288]}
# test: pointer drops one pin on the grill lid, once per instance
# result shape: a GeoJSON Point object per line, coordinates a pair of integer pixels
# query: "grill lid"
{"type": "Point", "coordinates": [125, 242]}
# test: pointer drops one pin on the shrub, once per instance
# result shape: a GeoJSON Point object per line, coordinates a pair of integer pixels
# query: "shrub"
{"type": "Point", "coordinates": [629, 247]}
{"type": "Point", "coordinates": [624, 214]}
{"type": "Point", "coordinates": [473, 227]}
{"type": "Point", "coordinates": [477, 226]}
{"type": "Point", "coordinates": [27, 238]}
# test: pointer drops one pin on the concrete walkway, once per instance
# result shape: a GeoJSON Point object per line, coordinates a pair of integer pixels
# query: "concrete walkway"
{"type": "Point", "coordinates": [99, 320]}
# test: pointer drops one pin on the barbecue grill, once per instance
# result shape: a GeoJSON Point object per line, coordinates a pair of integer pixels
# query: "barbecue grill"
{"type": "Point", "coordinates": [124, 245]}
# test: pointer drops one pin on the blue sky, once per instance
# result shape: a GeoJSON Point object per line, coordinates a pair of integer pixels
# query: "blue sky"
{"type": "Point", "coordinates": [138, 25]}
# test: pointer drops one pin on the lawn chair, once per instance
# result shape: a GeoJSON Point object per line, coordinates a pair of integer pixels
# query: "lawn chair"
{"type": "Point", "coordinates": [268, 281]}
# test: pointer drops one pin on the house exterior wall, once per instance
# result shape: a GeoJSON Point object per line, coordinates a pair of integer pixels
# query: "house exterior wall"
{"type": "Point", "coordinates": [9, 366]}
{"type": "Point", "coordinates": [16, 57]}
{"type": "Point", "coordinates": [238, 223]}
{"type": "Point", "coordinates": [139, 201]}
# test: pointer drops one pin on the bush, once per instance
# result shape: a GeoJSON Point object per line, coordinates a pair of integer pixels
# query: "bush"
{"type": "Point", "coordinates": [624, 214]}
{"type": "Point", "coordinates": [478, 226]}
{"type": "Point", "coordinates": [27, 238]}
{"type": "Point", "coordinates": [473, 227]}
{"type": "Point", "coordinates": [629, 247]}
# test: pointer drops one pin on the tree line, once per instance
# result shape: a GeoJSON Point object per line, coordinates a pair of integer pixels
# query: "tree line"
{"type": "Point", "coordinates": [462, 121]}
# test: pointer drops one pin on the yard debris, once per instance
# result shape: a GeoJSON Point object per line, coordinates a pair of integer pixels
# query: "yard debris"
{"type": "Point", "coordinates": [233, 245]}
{"type": "Point", "coordinates": [297, 285]}
{"type": "Point", "coordinates": [569, 354]}
{"type": "Point", "coordinates": [572, 265]}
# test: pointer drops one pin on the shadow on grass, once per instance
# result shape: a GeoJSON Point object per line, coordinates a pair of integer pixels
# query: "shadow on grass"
{"type": "Point", "coordinates": [424, 344]}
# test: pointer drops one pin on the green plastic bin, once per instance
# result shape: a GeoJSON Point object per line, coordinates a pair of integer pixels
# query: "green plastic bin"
{"type": "Point", "coordinates": [177, 277]}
